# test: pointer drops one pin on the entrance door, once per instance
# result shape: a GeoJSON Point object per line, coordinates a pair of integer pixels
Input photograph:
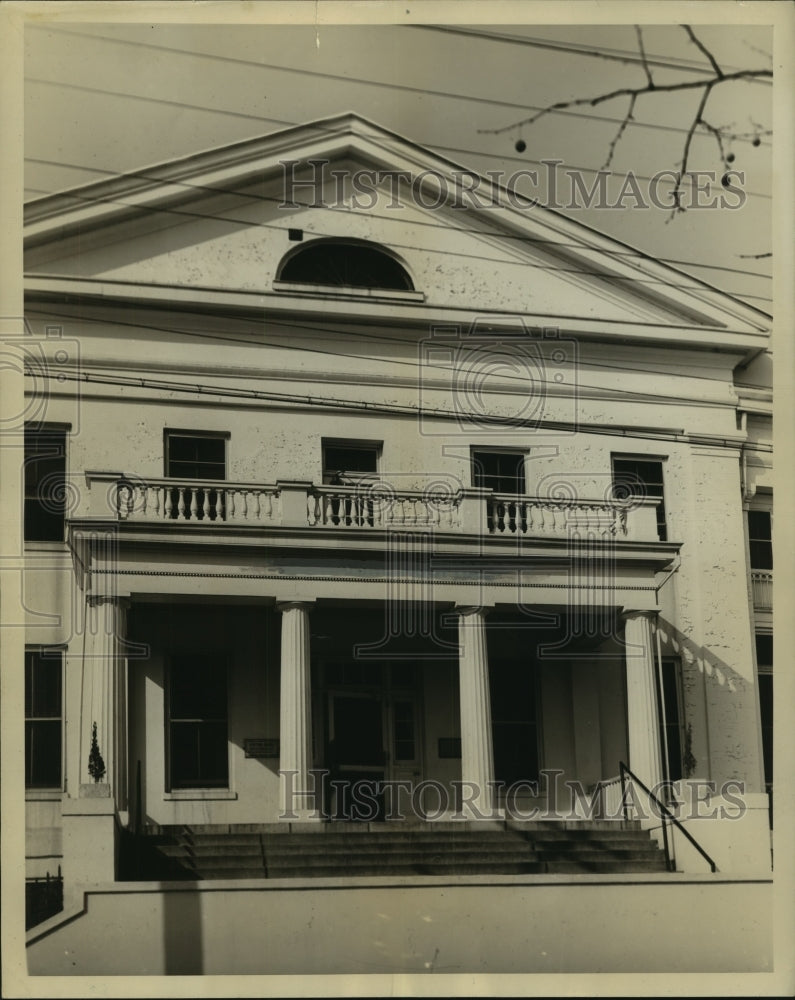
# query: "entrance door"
{"type": "Point", "coordinates": [356, 756]}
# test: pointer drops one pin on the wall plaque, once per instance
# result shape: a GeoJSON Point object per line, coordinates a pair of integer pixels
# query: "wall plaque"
{"type": "Point", "coordinates": [261, 747]}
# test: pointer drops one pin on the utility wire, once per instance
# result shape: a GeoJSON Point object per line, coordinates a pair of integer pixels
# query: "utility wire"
{"type": "Point", "coordinates": [249, 196]}
{"type": "Point", "coordinates": [392, 362]}
{"type": "Point", "coordinates": [598, 51]}
{"type": "Point", "coordinates": [284, 121]}
{"type": "Point", "coordinates": [405, 88]}
{"type": "Point", "coordinates": [616, 280]}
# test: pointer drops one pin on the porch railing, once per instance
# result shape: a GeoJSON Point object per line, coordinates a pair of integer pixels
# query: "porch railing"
{"type": "Point", "coordinates": [43, 898]}
{"type": "Point", "coordinates": [762, 589]}
{"type": "Point", "coordinates": [667, 818]}
{"type": "Point", "coordinates": [376, 505]}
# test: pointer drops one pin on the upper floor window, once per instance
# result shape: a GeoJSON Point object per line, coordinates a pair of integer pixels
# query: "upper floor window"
{"type": "Point", "coordinates": [502, 471]}
{"type": "Point", "coordinates": [45, 483]}
{"type": "Point", "coordinates": [43, 709]}
{"type": "Point", "coordinates": [190, 456]}
{"type": "Point", "coordinates": [343, 263]}
{"type": "Point", "coordinates": [347, 462]}
{"type": "Point", "coordinates": [642, 478]}
{"type": "Point", "coordinates": [195, 455]}
{"type": "Point", "coordinates": [760, 539]}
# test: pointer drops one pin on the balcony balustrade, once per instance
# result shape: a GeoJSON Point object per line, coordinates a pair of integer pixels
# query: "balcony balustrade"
{"type": "Point", "coordinates": [762, 589]}
{"type": "Point", "coordinates": [376, 506]}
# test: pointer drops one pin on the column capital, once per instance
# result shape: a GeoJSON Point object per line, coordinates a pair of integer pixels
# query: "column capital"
{"type": "Point", "coordinates": [291, 605]}
{"type": "Point", "coordinates": [462, 610]}
{"type": "Point", "coordinates": [649, 613]}
{"type": "Point", "coordinates": [97, 600]}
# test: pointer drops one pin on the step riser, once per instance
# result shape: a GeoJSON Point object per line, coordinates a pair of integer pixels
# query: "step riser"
{"type": "Point", "coordinates": [354, 850]}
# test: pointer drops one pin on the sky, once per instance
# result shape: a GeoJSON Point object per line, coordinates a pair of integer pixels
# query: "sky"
{"type": "Point", "coordinates": [103, 98]}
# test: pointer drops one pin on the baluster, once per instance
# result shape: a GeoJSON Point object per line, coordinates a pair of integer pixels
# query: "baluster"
{"type": "Point", "coordinates": [156, 501]}
{"type": "Point", "coordinates": [193, 503]}
{"type": "Point", "coordinates": [181, 502]}
{"type": "Point", "coordinates": [206, 504]}
{"type": "Point", "coordinates": [258, 504]}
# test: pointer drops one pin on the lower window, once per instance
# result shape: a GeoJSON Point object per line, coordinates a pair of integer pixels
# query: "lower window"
{"type": "Point", "coordinates": [43, 706]}
{"type": "Point", "coordinates": [197, 723]}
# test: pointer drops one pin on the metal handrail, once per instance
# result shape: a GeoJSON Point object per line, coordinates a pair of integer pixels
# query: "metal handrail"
{"type": "Point", "coordinates": [624, 770]}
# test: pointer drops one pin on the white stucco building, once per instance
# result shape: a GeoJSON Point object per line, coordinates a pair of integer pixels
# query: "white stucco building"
{"type": "Point", "coordinates": [352, 466]}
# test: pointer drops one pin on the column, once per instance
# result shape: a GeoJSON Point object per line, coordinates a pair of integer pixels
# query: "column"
{"type": "Point", "coordinates": [296, 800]}
{"type": "Point", "coordinates": [477, 755]}
{"type": "Point", "coordinates": [104, 696]}
{"type": "Point", "coordinates": [643, 724]}
{"type": "Point", "coordinates": [90, 824]}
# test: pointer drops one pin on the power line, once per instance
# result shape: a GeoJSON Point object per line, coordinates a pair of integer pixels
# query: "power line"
{"type": "Point", "coordinates": [425, 92]}
{"type": "Point", "coordinates": [583, 272]}
{"type": "Point", "coordinates": [284, 121]}
{"type": "Point", "coordinates": [392, 362]}
{"type": "Point", "coordinates": [598, 51]}
{"type": "Point", "coordinates": [249, 196]}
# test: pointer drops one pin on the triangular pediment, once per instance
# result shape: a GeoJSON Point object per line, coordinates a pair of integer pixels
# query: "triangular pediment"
{"type": "Point", "coordinates": [225, 220]}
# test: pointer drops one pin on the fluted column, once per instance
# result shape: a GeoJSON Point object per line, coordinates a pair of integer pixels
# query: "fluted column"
{"type": "Point", "coordinates": [643, 722]}
{"type": "Point", "coordinates": [477, 754]}
{"type": "Point", "coordinates": [295, 715]}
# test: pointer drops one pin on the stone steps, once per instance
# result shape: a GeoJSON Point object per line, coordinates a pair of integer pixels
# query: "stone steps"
{"type": "Point", "coordinates": [346, 849]}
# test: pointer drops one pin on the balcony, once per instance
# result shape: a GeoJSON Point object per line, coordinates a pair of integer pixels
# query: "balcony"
{"type": "Point", "coordinates": [762, 589]}
{"type": "Point", "coordinates": [362, 509]}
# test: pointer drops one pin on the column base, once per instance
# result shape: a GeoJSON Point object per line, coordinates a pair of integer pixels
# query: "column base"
{"type": "Point", "coordinates": [90, 837]}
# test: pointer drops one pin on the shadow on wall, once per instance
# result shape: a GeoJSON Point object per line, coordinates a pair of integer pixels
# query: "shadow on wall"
{"type": "Point", "coordinates": [711, 666]}
{"type": "Point", "coordinates": [182, 933]}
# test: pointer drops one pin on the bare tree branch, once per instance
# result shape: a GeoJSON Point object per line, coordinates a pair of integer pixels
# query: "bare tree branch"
{"type": "Point", "coordinates": [702, 48]}
{"type": "Point", "coordinates": [668, 88]}
{"type": "Point", "coordinates": [719, 136]}
{"type": "Point", "coordinates": [704, 85]}
{"type": "Point", "coordinates": [628, 117]}
{"type": "Point", "coordinates": [677, 192]}
{"type": "Point", "coordinates": [643, 58]}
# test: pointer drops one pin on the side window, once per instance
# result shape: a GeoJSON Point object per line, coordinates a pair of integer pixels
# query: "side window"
{"type": "Point", "coordinates": [43, 718]}
{"type": "Point", "coordinates": [672, 701]}
{"type": "Point", "coordinates": [643, 478]}
{"type": "Point", "coordinates": [764, 667]}
{"type": "Point", "coordinates": [760, 539]}
{"type": "Point", "coordinates": [196, 722]}
{"type": "Point", "coordinates": [44, 478]}
{"type": "Point", "coordinates": [502, 471]}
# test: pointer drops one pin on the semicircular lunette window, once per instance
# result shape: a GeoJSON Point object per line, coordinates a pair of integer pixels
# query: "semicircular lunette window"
{"type": "Point", "coordinates": [349, 265]}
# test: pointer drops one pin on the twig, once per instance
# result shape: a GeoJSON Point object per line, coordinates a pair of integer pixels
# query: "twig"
{"type": "Point", "coordinates": [677, 192]}
{"type": "Point", "coordinates": [754, 256]}
{"type": "Point", "coordinates": [704, 50]}
{"type": "Point", "coordinates": [628, 117]}
{"type": "Point", "coordinates": [643, 57]}
{"type": "Point", "coordinates": [669, 88]}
